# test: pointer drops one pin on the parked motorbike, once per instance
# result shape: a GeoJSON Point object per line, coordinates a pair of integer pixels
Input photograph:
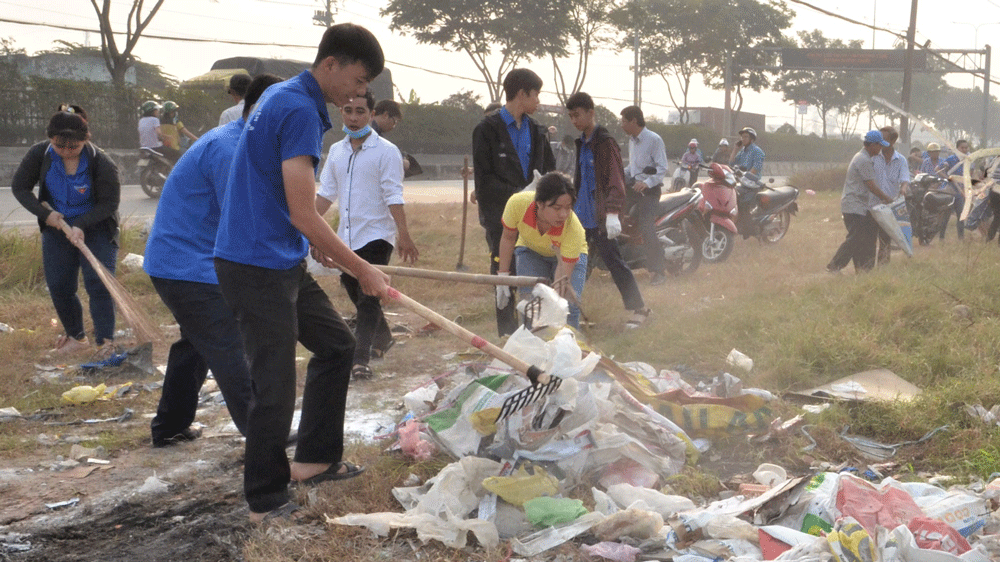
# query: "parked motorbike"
{"type": "Point", "coordinates": [153, 171]}
{"type": "Point", "coordinates": [682, 176]}
{"type": "Point", "coordinates": [930, 202]}
{"type": "Point", "coordinates": [718, 210]}
{"type": "Point", "coordinates": [678, 229]}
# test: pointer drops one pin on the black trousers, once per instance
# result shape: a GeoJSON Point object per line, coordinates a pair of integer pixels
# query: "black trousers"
{"type": "Point", "coordinates": [507, 321]}
{"type": "Point", "coordinates": [598, 243]}
{"type": "Point", "coordinates": [859, 246]}
{"type": "Point", "coordinates": [371, 329]}
{"type": "Point", "coordinates": [275, 309]}
{"type": "Point", "coordinates": [210, 339]}
{"type": "Point", "coordinates": [646, 206]}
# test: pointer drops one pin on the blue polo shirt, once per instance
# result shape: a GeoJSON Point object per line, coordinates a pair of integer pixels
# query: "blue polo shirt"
{"type": "Point", "coordinates": [586, 207]}
{"type": "Point", "coordinates": [751, 157]}
{"type": "Point", "coordinates": [521, 139]}
{"type": "Point", "coordinates": [255, 227]}
{"type": "Point", "coordinates": [71, 194]}
{"type": "Point", "coordinates": [181, 244]}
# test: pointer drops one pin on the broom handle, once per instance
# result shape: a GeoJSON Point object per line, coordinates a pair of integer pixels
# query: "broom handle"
{"type": "Point", "coordinates": [480, 279]}
{"type": "Point", "coordinates": [533, 372]}
{"type": "Point", "coordinates": [82, 246]}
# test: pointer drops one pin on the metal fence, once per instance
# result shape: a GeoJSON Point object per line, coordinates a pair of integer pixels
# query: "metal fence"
{"type": "Point", "coordinates": [26, 110]}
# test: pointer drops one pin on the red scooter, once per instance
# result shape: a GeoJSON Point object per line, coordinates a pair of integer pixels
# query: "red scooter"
{"type": "Point", "coordinates": [719, 211]}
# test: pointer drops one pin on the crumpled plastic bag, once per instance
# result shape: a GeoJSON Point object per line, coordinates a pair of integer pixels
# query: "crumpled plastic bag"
{"type": "Point", "coordinates": [545, 511]}
{"type": "Point", "coordinates": [521, 486]}
{"type": "Point", "coordinates": [84, 394]}
{"type": "Point", "coordinates": [612, 551]}
{"type": "Point", "coordinates": [628, 496]}
{"type": "Point", "coordinates": [886, 220]}
{"type": "Point", "coordinates": [411, 443]}
{"type": "Point", "coordinates": [635, 523]}
{"type": "Point", "coordinates": [850, 542]}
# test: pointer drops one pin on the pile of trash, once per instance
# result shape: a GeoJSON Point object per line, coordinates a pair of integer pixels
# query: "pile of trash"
{"type": "Point", "coordinates": [621, 430]}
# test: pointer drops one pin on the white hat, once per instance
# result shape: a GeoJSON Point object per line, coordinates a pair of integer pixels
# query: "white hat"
{"type": "Point", "coordinates": [723, 142]}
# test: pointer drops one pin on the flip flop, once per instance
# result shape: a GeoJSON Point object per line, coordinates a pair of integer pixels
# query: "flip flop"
{"type": "Point", "coordinates": [638, 318]}
{"type": "Point", "coordinates": [333, 473]}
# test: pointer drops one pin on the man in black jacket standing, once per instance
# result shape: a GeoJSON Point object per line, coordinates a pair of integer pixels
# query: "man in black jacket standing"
{"type": "Point", "coordinates": [506, 147]}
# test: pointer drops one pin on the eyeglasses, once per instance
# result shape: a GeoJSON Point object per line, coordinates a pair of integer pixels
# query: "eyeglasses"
{"type": "Point", "coordinates": [67, 145]}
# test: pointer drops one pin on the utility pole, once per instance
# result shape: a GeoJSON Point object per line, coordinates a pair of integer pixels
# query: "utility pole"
{"type": "Point", "coordinates": [324, 18]}
{"type": "Point", "coordinates": [986, 97]}
{"type": "Point", "coordinates": [904, 121]}
{"type": "Point", "coordinates": [636, 88]}
{"type": "Point", "coordinates": [727, 111]}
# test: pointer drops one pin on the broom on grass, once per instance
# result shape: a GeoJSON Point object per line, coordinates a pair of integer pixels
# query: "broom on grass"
{"type": "Point", "coordinates": [142, 326]}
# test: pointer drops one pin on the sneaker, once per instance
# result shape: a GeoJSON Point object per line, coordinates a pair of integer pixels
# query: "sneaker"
{"type": "Point", "coordinates": [185, 435]}
{"type": "Point", "coordinates": [638, 318]}
{"type": "Point", "coordinates": [658, 279]}
{"type": "Point", "coordinates": [105, 352]}
{"type": "Point", "coordinates": [66, 345]}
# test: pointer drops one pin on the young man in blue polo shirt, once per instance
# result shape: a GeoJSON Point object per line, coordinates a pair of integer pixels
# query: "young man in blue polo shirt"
{"type": "Point", "coordinates": [180, 263]}
{"type": "Point", "coordinates": [267, 222]}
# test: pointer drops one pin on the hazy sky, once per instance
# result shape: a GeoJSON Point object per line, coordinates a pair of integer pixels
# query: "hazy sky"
{"type": "Point", "coordinates": [609, 79]}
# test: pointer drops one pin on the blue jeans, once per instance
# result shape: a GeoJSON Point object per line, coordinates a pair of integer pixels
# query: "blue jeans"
{"type": "Point", "coordinates": [62, 262]}
{"type": "Point", "coordinates": [533, 264]}
{"type": "Point", "coordinates": [210, 339]}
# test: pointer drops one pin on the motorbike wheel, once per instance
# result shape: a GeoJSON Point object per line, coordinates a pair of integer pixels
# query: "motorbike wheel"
{"type": "Point", "coordinates": [715, 248]}
{"type": "Point", "coordinates": [689, 261]}
{"type": "Point", "coordinates": [151, 182]}
{"type": "Point", "coordinates": [777, 228]}
{"type": "Point", "coordinates": [679, 184]}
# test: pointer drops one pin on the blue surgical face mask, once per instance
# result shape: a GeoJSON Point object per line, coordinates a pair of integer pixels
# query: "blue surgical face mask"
{"type": "Point", "coordinates": [360, 133]}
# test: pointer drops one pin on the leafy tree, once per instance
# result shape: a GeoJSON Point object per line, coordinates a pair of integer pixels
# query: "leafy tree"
{"type": "Point", "coordinates": [739, 29]}
{"type": "Point", "coordinates": [465, 100]}
{"type": "Point", "coordinates": [518, 29]}
{"type": "Point", "coordinates": [588, 27]}
{"type": "Point", "coordinates": [827, 90]}
{"type": "Point", "coordinates": [787, 129]}
{"type": "Point", "coordinates": [118, 60]}
{"type": "Point", "coordinates": [147, 75]}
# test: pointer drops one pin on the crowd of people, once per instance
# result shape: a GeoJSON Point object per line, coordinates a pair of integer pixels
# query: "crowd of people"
{"type": "Point", "coordinates": [240, 212]}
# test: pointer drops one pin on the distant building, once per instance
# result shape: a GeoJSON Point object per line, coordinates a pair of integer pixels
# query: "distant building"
{"type": "Point", "coordinates": [67, 67]}
{"type": "Point", "coordinates": [713, 118]}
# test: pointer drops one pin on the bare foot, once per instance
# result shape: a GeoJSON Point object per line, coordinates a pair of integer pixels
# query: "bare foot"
{"type": "Point", "coordinates": [305, 470]}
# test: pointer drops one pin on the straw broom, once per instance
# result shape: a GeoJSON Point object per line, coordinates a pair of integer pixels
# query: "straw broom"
{"type": "Point", "coordinates": [142, 326]}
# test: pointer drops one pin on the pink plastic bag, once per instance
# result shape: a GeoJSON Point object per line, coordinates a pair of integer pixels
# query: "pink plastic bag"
{"type": "Point", "coordinates": [938, 535]}
{"type": "Point", "coordinates": [411, 443]}
{"type": "Point", "coordinates": [612, 551]}
{"type": "Point", "coordinates": [870, 506]}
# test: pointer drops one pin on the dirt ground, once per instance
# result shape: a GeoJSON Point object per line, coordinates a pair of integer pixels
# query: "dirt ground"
{"type": "Point", "coordinates": [201, 514]}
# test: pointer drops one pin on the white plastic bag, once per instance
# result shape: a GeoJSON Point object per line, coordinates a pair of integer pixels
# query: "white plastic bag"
{"type": "Point", "coordinates": [886, 220]}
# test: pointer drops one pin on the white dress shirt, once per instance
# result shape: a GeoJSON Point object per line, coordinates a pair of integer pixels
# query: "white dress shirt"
{"type": "Point", "coordinates": [365, 182]}
{"type": "Point", "coordinates": [646, 149]}
{"type": "Point", "coordinates": [231, 114]}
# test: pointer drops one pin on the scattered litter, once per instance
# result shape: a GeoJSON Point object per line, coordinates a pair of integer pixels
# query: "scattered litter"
{"type": "Point", "coordinates": [878, 385]}
{"type": "Point", "coordinates": [612, 551]}
{"type": "Point", "coordinates": [98, 461]}
{"type": "Point", "coordinates": [9, 413]}
{"type": "Point", "coordinates": [60, 505]}
{"type": "Point", "coordinates": [133, 261]}
{"type": "Point", "coordinates": [83, 394]}
{"type": "Point", "coordinates": [153, 486]}
{"type": "Point", "coordinates": [413, 444]}
{"type": "Point", "coordinates": [5, 328]}
{"type": "Point", "coordinates": [738, 359]}
{"type": "Point", "coordinates": [990, 417]}
{"type": "Point", "coordinates": [633, 523]}
{"type": "Point", "coordinates": [877, 451]}
{"type": "Point", "coordinates": [546, 512]}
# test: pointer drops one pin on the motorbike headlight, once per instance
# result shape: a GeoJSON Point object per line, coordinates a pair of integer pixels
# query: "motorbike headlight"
{"type": "Point", "coordinates": [765, 199]}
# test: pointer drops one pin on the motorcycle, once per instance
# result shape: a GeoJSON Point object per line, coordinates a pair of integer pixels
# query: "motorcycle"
{"type": "Point", "coordinates": [153, 171]}
{"type": "Point", "coordinates": [678, 228]}
{"type": "Point", "coordinates": [682, 176]}
{"type": "Point", "coordinates": [718, 210]}
{"type": "Point", "coordinates": [930, 202]}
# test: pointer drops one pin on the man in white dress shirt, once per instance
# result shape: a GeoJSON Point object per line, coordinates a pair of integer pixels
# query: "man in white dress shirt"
{"type": "Point", "coordinates": [364, 172]}
{"type": "Point", "coordinates": [645, 150]}
{"type": "Point", "coordinates": [238, 84]}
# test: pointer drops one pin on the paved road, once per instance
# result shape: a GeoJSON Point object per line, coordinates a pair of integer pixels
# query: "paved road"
{"type": "Point", "coordinates": [137, 208]}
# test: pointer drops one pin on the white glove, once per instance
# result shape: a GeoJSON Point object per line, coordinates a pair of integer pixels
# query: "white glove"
{"type": "Point", "coordinates": [613, 226]}
{"type": "Point", "coordinates": [534, 181]}
{"type": "Point", "coordinates": [503, 293]}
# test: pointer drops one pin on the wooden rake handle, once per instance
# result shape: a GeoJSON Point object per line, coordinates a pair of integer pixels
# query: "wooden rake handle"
{"type": "Point", "coordinates": [479, 279]}
{"type": "Point", "coordinates": [68, 231]}
{"type": "Point", "coordinates": [534, 374]}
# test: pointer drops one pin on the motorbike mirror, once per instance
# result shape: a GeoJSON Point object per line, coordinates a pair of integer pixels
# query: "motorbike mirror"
{"type": "Point", "coordinates": [770, 180]}
{"type": "Point", "coordinates": [649, 170]}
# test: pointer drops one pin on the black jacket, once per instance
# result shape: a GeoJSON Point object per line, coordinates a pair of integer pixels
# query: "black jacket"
{"type": "Point", "coordinates": [498, 169]}
{"type": "Point", "coordinates": [104, 180]}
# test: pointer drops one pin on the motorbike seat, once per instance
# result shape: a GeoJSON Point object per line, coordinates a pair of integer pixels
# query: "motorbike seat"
{"type": "Point", "coordinates": [670, 201]}
{"type": "Point", "coordinates": [150, 151]}
{"type": "Point", "coordinates": [938, 200]}
{"type": "Point", "coordinates": [779, 195]}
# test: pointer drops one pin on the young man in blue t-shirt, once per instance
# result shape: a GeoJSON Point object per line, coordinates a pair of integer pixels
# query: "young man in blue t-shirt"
{"type": "Point", "coordinates": [267, 222]}
{"type": "Point", "coordinates": [180, 263]}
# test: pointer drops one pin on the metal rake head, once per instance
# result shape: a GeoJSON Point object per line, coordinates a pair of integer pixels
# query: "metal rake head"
{"type": "Point", "coordinates": [523, 398]}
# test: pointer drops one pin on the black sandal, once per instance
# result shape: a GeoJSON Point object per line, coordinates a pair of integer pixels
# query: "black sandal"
{"type": "Point", "coordinates": [333, 473]}
{"type": "Point", "coordinates": [362, 373]}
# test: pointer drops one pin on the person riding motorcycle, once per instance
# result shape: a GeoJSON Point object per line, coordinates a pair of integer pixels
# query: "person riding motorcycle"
{"type": "Point", "coordinates": [172, 129]}
{"type": "Point", "coordinates": [150, 133]}
{"type": "Point", "coordinates": [691, 160]}
{"type": "Point", "coordinates": [721, 153]}
{"type": "Point", "coordinates": [749, 157]}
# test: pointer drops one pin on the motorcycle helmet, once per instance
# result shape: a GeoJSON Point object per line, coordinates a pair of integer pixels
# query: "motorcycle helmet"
{"type": "Point", "coordinates": [750, 131]}
{"type": "Point", "coordinates": [693, 143]}
{"type": "Point", "coordinates": [932, 146]}
{"type": "Point", "coordinates": [170, 107]}
{"type": "Point", "coordinates": [723, 142]}
{"type": "Point", "coordinates": [148, 107]}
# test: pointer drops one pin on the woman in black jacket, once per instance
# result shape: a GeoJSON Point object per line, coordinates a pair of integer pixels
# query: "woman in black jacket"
{"type": "Point", "coordinates": [77, 183]}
